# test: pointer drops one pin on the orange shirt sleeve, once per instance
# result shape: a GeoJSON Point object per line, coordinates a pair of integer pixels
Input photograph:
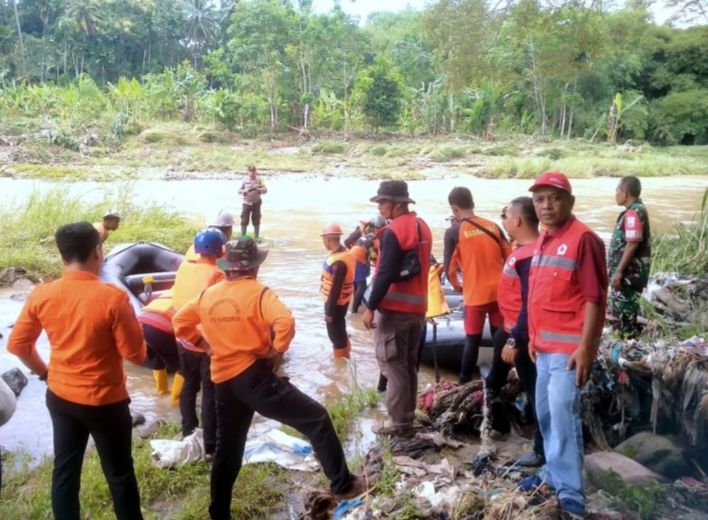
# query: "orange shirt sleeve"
{"type": "Point", "coordinates": [27, 328]}
{"type": "Point", "coordinates": [452, 275]}
{"type": "Point", "coordinates": [128, 333]}
{"type": "Point", "coordinates": [186, 320]}
{"type": "Point", "coordinates": [280, 319]}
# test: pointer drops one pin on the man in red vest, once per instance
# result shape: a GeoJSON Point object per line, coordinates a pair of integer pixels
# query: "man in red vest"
{"type": "Point", "coordinates": [399, 295]}
{"type": "Point", "coordinates": [512, 340]}
{"type": "Point", "coordinates": [567, 295]}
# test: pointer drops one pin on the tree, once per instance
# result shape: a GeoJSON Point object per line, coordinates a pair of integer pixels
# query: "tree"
{"type": "Point", "coordinates": [379, 90]}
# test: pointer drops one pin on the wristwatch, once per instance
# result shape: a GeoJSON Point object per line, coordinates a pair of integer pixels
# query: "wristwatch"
{"type": "Point", "coordinates": [510, 343]}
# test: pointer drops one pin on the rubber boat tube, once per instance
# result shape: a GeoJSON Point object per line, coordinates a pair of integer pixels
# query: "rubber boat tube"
{"type": "Point", "coordinates": [127, 264]}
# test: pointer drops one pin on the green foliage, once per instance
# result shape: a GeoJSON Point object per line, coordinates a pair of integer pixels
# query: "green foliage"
{"type": "Point", "coordinates": [642, 499]}
{"type": "Point", "coordinates": [684, 248]}
{"type": "Point", "coordinates": [348, 407]}
{"type": "Point", "coordinates": [378, 90]}
{"type": "Point", "coordinates": [27, 228]}
{"type": "Point", "coordinates": [447, 153]}
{"type": "Point", "coordinates": [681, 117]}
{"type": "Point", "coordinates": [328, 147]}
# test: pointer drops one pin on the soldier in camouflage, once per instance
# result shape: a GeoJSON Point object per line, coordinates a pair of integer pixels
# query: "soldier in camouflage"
{"type": "Point", "coordinates": [629, 260]}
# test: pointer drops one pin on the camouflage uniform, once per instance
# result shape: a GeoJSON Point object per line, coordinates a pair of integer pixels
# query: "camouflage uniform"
{"type": "Point", "coordinates": [624, 304]}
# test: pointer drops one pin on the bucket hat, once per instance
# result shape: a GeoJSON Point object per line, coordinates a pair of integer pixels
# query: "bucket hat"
{"type": "Point", "coordinates": [396, 191]}
{"type": "Point", "coordinates": [242, 255]}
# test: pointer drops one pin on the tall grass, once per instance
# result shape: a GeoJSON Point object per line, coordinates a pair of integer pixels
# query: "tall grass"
{"type": "Point", "coordinates": [684, 248]}
{"type": "Point", "coordinates": [348, 407]}
{"type": "Point", "coordinates": [27, 228]}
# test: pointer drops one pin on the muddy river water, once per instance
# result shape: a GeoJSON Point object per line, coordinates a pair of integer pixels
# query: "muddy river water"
{"type": "Point", "coordinates": [295, 209]}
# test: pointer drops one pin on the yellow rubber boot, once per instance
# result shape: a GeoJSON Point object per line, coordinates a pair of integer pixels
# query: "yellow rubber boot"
{"type": "Point", "coordinates": [177, 385]}
{"type": "Point", "coordinates": [160, 381]}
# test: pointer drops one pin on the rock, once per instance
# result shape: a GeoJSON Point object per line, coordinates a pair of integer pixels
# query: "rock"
{"type": "Point", "coordinates": [137, 418]}
{"type": "Point", "coordinates": [10, 275]}
{"type": "Point", "coordinates": [658, 453]}
{"type": "Point", "coordinates": [599, 463]}
{"type": "Point", "coordinates": [15, 379]}
{"type": "Point", "coordinates": [8, 402]}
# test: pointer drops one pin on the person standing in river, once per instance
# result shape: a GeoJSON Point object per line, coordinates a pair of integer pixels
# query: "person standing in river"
{"type": "Point", "coordinates": [629, 258]}
{"type": "Point", "coordinates": [566, 313]}
{"type": "Point", "coordinates": [398, 302]}
{"type": "Point", "coordinates": [252, 187]}
{"type": "Point", "coordinates": [91, 328]}
{"type": "Point", "coordinates": [247, 329]}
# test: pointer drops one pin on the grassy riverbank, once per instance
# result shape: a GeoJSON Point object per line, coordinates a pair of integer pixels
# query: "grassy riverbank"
{"type": "Point", "coordinates": [181, 151]}
{"type": "Point", "coordinates": [27, 227]}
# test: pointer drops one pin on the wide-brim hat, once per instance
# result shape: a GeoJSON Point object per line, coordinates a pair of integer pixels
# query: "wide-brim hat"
{"type": "Point", "coordinates": [395, 191]}
{"type": "Point", "coordinates": [242, 255]}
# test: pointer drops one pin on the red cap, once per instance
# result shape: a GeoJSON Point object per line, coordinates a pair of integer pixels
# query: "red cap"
{"type": "Point", "coordinates": [331, 230]}
{"type": "Point", "coordinates": [554, 180]}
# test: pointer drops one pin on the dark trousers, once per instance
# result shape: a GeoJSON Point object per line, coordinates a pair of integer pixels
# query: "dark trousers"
{"type": "Point", "coordinates": [258, 389]}
{"type": "Point", "coordinates": [337, 328]}
{"type": "Point", "coordinates": [251, 212]}
{"type": "Point", "coordinates": [111, 428]}
{"type": "Point", "coordinates": [525, 369]}
{"type": "Point", "coordinates": [162, 349]}
{"type": "Point", "coordinates": [197, 376]}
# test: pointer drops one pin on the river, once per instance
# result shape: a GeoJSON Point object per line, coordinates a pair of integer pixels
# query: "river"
{"type": "Point", "coordinates": [295, 209]}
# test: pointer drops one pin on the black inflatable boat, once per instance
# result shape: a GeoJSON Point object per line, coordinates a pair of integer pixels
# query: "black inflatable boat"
{"type": "Point", "coordinates": [128, 265]}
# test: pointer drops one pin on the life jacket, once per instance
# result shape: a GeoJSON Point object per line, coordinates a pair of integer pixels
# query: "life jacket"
{"type": "Point", "coordinates": [102, 233]}
{"type": "Point", "coordinates": [556, 305]}
{"type": "Point", "coordinates": [192, 278]}
{"type": "Point", "coordinates": [159, 312]}
{"type": "Point", "coordinates": [410, 295]}
{"type": "Point", "coordinates": [349, 260]}
{"type": "Point", "coordinates": [437, 304]}
{"type": "Point", "coordinates": [509, 288]}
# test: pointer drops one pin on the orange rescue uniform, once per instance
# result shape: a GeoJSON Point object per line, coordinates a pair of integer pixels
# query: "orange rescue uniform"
{"type": "Point", "coordinates": [481, 259]}
{"type": "Point", "coordinates": [241, 320]}
{"type": "Point", "coordinates": [509, 292]}
{"type": "Point", "coordinates": [91, 328]}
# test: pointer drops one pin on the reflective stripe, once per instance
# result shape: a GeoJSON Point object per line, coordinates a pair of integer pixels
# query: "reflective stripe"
{"type": "Point", "coordinates": [508, 271]}
{"type": "Point", "coordinates": [573, 339]}
{"type": "Point", "coordinates": [156, 320]}
{"type": "Point", "coordinates": [558, 261]}
{"type": "Point", "coordinates": [407, 298]}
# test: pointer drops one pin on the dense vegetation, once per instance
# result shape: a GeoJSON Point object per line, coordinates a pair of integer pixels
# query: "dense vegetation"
{"type": "Point", "coordinates": [93, 69]}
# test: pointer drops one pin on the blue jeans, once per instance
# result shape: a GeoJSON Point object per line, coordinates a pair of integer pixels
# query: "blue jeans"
{"type": "Point", "coordinates": [558, 413]}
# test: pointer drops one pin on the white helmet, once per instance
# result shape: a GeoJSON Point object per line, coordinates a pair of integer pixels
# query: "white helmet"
{"type": "Point", "coordinates": [223, 219]}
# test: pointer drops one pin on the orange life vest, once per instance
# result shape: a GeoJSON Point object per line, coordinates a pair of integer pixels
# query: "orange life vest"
{"type": "Point", "coordinates": [192, 278]}
{"type": "Point", "coordinates": [410, 295]}
{"type": "Point", "coordinates": [349, 259]}
{"type": "Point", "coordinates": [159, 312]}
{"type": "Point", "coordinates": [509, 289]}
{"type": "Point", "coordinates": [556, 305]}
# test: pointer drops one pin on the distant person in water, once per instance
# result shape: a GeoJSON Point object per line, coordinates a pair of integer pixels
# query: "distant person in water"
{"type": "Point", "coordinates": [110, 222]}
{"type": "Point", "coordinates": [251, 189]}
{"type": "Point", "coordinates": [91, 328]}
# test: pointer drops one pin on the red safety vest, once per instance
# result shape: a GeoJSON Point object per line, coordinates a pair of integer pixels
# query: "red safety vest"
{"type": "Point", "coordinates": [345, 295]}
{"type": "Point", "coordinates": [411, 295]}
{"type": "Point", "coordinates": [509, 288]}
{"type": "Point", "coordinates": [556, 305]}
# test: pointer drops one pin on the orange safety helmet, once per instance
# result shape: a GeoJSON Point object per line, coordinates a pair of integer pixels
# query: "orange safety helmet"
{"type": "Point", "coordinates": [331, 230]}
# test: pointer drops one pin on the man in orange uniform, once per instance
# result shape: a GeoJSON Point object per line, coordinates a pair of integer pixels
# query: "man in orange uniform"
{"type": "Point", "coordinates": [511, 342]}
{"type": "Point", "coordinates": [567, 298]}
{"type": "Point", "coordinates": [481, 252]}
{"type": "Point", "coordinates": [400, 298]}
{"type": "Point", "coordinates": [91, 328]}
{"type": "Point", "coordinates": [246, 327]}
{"type": "Point", "coordinates": [193, 276]}
{"type": "Point", "coordinates": [337, 287]}
{"type": "Point", "coordinates": [111, 221]}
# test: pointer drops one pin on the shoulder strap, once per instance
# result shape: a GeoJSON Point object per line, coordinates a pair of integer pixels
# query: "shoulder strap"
{"type": "Point", "coordinates": [485, 230]}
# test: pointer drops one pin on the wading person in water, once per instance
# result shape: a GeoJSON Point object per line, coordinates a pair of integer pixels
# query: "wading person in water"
{"type": "Point", "coordinates": [566, 313]}
{"type": "Point", "coordinates": [247, 328]}
{"type": "Point", "coordinates": [252, 187]}
{"type": "Point", "coordinates": [91, 329]}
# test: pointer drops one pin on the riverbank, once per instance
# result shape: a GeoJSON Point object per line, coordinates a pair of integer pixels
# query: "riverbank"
{"type": "Point", "coordinates": [180, 151]}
